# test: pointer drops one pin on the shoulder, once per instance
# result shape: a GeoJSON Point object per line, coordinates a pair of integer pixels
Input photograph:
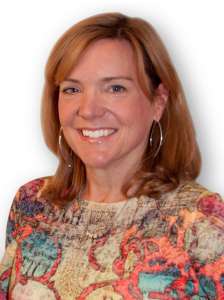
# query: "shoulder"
{"type": "Point", "coordinates": [202, 212]}
{"type": "Point", "coordinates": [192, 203]}
{"type": "Point", "coordinates": [33, 187]}
{"type": "Point", "coordinates": [200, 204]}
{"type": "Point", "coordinates": [197, 211]}
{"type": "Point", "coordinates": [193, 196]}
{"type": "Point", "coordinates": [28, 199]}
{"type": "Point", "coordinates": [26, 206]}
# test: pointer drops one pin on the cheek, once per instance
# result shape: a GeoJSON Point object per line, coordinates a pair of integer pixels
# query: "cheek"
{"type": "Point", "coordinates": [61, 110]}
{"type": "Point", "coordinates": [139, 112]}
{"type": "Point", "coordinates": [142, 118]}
{"type": "Point", "coordinates": [64, 112]}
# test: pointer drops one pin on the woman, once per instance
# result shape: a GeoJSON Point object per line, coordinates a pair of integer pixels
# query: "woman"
{"type": "Point", "coordinates": [123, 216]}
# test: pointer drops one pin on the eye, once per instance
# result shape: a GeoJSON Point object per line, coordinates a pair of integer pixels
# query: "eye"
{"type": "Point", "coordinates": [70, 90]}
{"type": "Point", "coordinates": [118, 88]}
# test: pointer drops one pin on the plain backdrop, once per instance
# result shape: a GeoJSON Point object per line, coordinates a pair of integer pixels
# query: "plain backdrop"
{"type": "Point", "coordinates": [194, 37]}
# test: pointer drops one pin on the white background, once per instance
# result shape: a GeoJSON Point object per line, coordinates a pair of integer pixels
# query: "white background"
{"type": "Point", "coordinates": [193, 34]}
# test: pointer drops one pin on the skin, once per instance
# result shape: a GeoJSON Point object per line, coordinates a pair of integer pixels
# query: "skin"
{"type": "Point", "coordinates": [119, 104]}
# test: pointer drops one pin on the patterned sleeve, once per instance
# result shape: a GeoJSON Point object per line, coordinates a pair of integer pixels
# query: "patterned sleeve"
{"type": "Point", "coordinates": [205, 243]}
{"type": "Point", "coordinates": [11, 245]}
{"type": "Point", "coordinates": [24, 207]}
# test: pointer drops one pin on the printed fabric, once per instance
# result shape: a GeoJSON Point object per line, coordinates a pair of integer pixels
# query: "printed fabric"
{"type": "Point", "coordinates": [130, 250]}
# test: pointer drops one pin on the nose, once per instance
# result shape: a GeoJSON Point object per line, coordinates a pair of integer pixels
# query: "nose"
{"type": "Point", "coordinates": [91, 106]}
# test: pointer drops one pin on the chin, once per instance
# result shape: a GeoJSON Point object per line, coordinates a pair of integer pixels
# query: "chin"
{"type": "Point", "coordinates": [96, 164]}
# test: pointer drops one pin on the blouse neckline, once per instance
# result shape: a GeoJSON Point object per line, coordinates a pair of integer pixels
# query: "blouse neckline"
{"type": "Point", "coordinates": [96, 204]}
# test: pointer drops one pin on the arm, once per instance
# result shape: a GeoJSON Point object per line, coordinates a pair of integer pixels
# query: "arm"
{"type": "Point", "coordinates": [206, 247]}
{"type": "Point", "coordinates": [24, 207]}
{"type": "Point", "coordinates": [6, 264]}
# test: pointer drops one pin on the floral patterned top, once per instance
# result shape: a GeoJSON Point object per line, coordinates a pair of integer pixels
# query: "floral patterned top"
{"type": "Point", "coordinates": [125, 250]}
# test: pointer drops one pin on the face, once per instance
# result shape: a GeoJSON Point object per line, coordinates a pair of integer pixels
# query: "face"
{"type": "Point", "coordinates": [102, 92]}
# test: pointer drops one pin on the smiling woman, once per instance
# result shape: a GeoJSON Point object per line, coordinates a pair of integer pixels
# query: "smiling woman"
{"type": "Point", "coordinates": [123, 216]}
{"type": "Point", "coordinates": [95, 106]}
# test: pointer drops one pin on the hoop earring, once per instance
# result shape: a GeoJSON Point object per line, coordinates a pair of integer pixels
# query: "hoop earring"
{"type": "Point", "coordinates": [61, 147]}
{"type": "Point", "coordinates": [154, 123]}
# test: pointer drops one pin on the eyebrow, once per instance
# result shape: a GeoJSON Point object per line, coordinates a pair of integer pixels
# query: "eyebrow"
{"type": "Point", "coordinates": [105, 79]}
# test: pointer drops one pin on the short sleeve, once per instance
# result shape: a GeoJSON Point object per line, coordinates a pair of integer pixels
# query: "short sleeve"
{"type": "Point", "coordinates": [11, 245]}
{"type": "Point", "coordinates": [205, 243]}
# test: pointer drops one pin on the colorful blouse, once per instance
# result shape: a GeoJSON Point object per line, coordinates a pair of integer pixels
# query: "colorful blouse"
{"type": "Point", "coordinates": [112, 251]}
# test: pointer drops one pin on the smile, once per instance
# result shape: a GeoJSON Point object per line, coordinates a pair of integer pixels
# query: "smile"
{"type": "Point", "coordinates": [96, 135]}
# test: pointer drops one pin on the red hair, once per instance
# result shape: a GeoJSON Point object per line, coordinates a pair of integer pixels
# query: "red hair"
{"type": "Point", "coordinates": [179, 158]}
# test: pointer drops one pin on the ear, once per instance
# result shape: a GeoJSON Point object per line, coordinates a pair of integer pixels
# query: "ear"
{"type": "Point", "coordinates": [160, 101]}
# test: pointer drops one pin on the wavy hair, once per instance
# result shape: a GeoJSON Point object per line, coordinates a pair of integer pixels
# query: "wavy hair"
{"type": "Point", "coordinates": [179, 158]}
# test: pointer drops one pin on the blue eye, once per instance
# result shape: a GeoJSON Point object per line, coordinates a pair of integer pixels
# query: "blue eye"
{"type": "Point", "coordinates": [118, 88]}
{"type": "Point", "coordinates": [70, 90]}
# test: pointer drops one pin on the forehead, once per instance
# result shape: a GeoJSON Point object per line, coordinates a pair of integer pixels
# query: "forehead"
{"type": "Point", "coordinates": [106, 57]}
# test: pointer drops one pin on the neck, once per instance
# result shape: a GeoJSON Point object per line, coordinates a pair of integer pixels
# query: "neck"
{"type": "Point", "coordinates": [104, 186]}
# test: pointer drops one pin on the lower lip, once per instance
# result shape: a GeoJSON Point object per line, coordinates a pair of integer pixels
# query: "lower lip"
{"type": "Point", "coordinates": [98, 140]}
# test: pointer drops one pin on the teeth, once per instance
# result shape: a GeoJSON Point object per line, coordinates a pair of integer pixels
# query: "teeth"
{"type": "Point", "coordinates": [97, 133]}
